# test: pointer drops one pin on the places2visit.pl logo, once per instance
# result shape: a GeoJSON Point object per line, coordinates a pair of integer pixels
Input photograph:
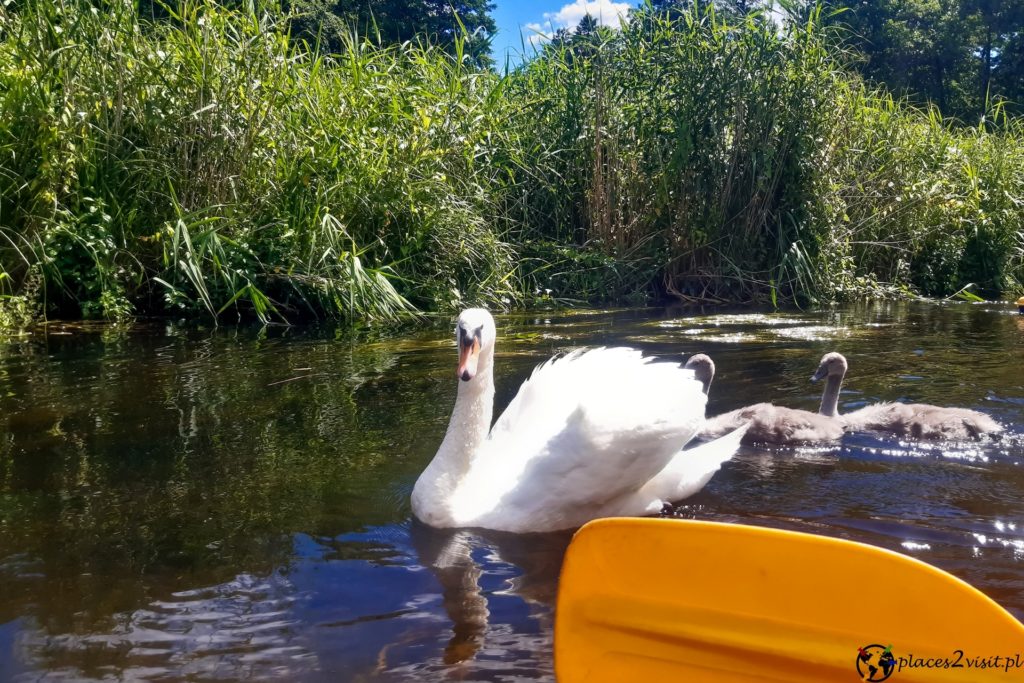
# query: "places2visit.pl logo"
{"type": "Point", "coordinates": [875, 663]}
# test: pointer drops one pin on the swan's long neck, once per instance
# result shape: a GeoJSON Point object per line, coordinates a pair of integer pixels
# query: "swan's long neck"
{"type": "Point", "coordinates": [467, 430]}
{"type": "Point", "coordinates": [830, 397]}
{"type": "Point", "coordinates": [470, 421]}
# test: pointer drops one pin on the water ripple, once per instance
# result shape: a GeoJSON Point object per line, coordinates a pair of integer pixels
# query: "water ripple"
{"type": "Point", "coordinates": [242, 629]}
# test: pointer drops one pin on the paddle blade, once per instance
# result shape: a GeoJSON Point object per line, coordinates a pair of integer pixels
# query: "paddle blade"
{"type": "Point", "coordinates": [676, 600]}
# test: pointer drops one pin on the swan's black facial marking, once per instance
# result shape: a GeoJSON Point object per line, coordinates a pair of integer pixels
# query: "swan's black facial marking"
{"type": "Point", "coordinates": [469, 344]}
{"type": "Point", "coordinates": [466, 337]}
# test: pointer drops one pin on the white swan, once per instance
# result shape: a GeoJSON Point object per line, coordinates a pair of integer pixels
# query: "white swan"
{"type": "Point", "coordinates": [774, 424]}
{"type": "Point", "coordinates": [592, 434]}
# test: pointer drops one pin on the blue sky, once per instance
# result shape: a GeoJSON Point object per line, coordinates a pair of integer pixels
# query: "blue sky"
{"type": "Point", "coordinates": [545, 17]}
{"type": "Point", "coordinates": [523, 21]}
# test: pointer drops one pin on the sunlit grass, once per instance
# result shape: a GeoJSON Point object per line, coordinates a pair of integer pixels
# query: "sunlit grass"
{"type": "Point", "coordinates": [208, 166]}
{"type": "Point", "coordinates": [205, 165]}
{"type": "Point", "coordinates": [729, 163]}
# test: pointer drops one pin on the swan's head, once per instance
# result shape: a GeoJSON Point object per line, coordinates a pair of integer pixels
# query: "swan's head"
{"type": "Point", "coordinates": [832, 365]}
{"type": "Point", "coordinates": [703, 369]}
{"type": "Point", "coordinates": [474, 334]}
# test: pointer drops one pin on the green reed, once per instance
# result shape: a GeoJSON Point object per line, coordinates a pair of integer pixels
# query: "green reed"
{"type": "Point", "coordinates": [208, 165]}
{"type": "Point", "coordinates": [741, 163]}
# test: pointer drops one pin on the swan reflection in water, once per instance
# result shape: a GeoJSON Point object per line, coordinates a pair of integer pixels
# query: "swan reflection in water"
{"type": "Point", "coordinates": [356, 607]}
{"type": "Point", "coordinates": [458, 559]}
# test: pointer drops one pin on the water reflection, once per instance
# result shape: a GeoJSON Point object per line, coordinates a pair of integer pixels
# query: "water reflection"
{"type": "Point", "coordinates": [458, 559]}
{"type": "Point", "coordinates": [346, 608]}
{"type": "Point", "coordinates": [179, 503]}
{"type": "Point", "coordinates": [242, 629]}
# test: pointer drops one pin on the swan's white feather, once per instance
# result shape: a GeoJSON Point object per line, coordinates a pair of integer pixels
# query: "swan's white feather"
{"type": "Point", "coordinates": [690, 470]}
{"type": "Point", "coordinates": [586, 432]}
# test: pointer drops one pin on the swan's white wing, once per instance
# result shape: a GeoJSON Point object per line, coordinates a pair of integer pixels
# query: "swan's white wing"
{"type": "Point", "coordinates": [553, 392]}
{"type": "Point", "coordinates": [690, 470]}
{"type": "Point", "coordinates": [584, 430]}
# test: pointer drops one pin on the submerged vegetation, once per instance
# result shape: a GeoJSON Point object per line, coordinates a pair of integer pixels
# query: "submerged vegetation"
{"type": "Point", "coordinates": [209, 165]}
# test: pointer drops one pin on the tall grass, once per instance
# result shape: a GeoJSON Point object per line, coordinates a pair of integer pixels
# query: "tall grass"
{"type": "Point", "coordinates": [208, 165]}
{"type": "Point", "coordinates": [921, 204]}
{"type": "Point", "coordinates": [694, 148]}
{"type": "Point", "coordinates": [722, 162]}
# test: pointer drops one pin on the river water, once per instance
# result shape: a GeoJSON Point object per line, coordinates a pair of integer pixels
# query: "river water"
{"type": "Point", "coordinates": [216, 505]}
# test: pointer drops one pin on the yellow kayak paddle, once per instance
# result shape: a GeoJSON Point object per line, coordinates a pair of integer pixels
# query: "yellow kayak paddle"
{"type": "Point", "coordinates": [678, 600]}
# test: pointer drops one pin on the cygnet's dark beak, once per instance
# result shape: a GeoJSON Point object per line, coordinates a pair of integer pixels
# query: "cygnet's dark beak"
{"type": "Point", "coordinates": [820, 374]}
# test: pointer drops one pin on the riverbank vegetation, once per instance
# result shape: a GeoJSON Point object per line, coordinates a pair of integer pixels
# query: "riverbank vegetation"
{"type": "Point", "coordinates": [209, 165]}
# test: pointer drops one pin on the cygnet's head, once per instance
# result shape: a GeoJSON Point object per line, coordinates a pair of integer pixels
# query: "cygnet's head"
{"type": "Point", "coordinates": [703, 369]}
{"type": "Point", "coordinates": [832, 365]}
{"type": "Point", "coordinates": [474, 333]}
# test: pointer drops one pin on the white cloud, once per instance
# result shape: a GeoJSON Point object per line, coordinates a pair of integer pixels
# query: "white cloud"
{"type": "Point", "coordinates": [607, 13]}
{"type": "Point", "coordinates": [536, 33]}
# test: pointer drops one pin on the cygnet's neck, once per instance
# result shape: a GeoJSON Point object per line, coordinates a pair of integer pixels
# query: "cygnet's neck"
{"type": "Point", "coordinates": [830, 397]}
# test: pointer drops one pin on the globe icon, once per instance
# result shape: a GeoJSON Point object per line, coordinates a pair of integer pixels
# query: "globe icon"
{"type": "Point", "coordinates": [875, 662]}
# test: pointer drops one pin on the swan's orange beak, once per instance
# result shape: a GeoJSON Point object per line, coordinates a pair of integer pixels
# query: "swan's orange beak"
{"type": "Point", "coordinates": [469, 352]}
